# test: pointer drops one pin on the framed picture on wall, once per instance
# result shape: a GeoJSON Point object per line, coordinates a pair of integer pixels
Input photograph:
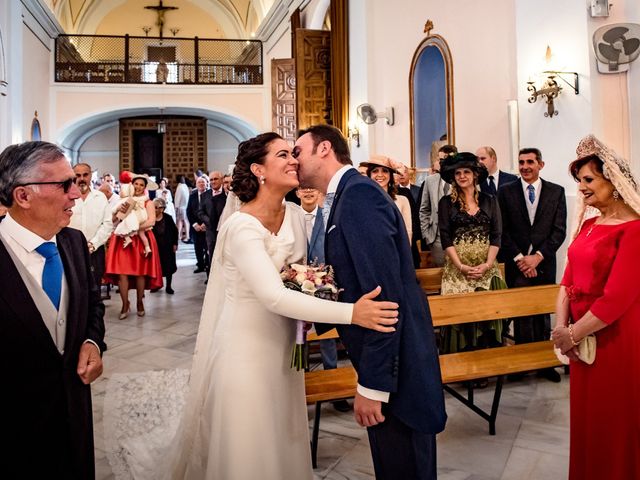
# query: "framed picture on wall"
{"type": "Point", "coordinates": [36, 131]}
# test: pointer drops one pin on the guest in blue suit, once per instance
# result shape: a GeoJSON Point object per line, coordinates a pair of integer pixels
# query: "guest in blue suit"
{"type": "Point", "coordinates": [497, 178]}
{"type": "Point", "coordinates": [399, 395]}
{"type": "Point", "coordinates": [309, 201]}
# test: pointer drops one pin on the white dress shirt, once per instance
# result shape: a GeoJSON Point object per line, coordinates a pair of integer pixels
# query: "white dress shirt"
{"type": "Point", "coordinates": [309, 221]}
{"type": "Point", "coordinates": [92, 216]}
{"type": "Point", "coordinates": [531, 209]}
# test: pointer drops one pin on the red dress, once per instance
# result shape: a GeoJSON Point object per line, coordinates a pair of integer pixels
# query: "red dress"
{"type": "Point", "coordinates": [131, 261]}
{"type": "Point", "coordinates": [602, 276]}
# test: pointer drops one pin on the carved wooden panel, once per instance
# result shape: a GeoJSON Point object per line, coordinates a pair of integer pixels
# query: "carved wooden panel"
{"type": "Point", "coordinates": [313, 77]}
{"type": "Point", "coordinates": [283, 98]}
{"type": "Point", "coordinates": [184, 144]}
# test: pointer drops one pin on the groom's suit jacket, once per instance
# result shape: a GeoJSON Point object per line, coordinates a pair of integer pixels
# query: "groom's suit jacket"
{"type": "Point", "coordinates": [45, 408]}
{"type": "Point", "coordinates": [366, 243]}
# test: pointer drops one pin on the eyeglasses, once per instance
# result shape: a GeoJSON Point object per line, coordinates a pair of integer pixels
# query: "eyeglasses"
{"type": "Point", "coordinates": [65, 184]}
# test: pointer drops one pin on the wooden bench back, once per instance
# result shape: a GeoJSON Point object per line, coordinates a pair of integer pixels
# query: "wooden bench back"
{"type": "Point", "coordinates": [484, 306]}
{"type": "Point", "coordinates": [492, 305]}
{"type": "Point", "coordinates": [431, 278]}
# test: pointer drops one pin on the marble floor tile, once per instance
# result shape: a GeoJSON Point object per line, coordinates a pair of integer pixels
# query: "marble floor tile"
{"type": "Point", "coordinates": [532, 426]}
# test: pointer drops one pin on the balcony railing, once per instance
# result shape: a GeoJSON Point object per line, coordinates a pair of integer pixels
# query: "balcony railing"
{"type": "Point", "coordinates": [154, 60]}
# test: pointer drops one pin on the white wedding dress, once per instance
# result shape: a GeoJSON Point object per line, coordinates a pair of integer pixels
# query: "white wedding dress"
{"type": "Point", "coordinates": [245, 414]}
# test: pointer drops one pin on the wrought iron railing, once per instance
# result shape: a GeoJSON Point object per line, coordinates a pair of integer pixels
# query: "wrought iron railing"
{"type": "Point", "coordinates": [127, 59]}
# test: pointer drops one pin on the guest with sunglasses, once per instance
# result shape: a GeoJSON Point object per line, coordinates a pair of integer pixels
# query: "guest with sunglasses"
{"type": "Point", "coordinates": [51, 317]}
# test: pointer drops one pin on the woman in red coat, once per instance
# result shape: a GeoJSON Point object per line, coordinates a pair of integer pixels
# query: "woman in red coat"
{"type": "Point", "coordinates": [599, 295]}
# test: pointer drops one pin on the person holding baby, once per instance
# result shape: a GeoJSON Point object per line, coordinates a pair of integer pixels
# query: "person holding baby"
{"type": "Point", "coordinates": [133, 260]}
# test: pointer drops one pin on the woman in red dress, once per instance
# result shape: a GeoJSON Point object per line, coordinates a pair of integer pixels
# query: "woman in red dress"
{"type": "Point", "coordinates": [129, 266]}
{"type": "Point", "coordinates": [599, 294]}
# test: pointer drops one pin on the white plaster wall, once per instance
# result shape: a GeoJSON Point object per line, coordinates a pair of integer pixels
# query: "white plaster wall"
{"type": "Point", "coordinates": [616, 97]}
{"type": "Point", "coordinates": [71, 103]}
{"type": "Point", "coordinates": [222, 148]}
{"type": "Point", "coordinates": [562, 26]}
{"type": "Point", "coordinates": [35, 84]}
{"type": "Point", "coordinates": [101, 151]}
{"type": "Point", "coordinates": [481, 37]}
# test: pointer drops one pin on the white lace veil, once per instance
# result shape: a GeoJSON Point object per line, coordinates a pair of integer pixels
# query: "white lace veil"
{"type": "Point", "coordinates": [199, 381]}
{"type": "Point", "coordinates": [615, 169]}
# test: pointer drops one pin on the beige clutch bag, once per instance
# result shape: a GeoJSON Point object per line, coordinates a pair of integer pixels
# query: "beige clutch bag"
{"type": "Point", "coordinates": [586, 351]}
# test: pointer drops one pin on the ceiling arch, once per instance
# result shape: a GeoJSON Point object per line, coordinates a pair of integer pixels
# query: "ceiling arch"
{"type": "Point", "coordinates": [238, 18]}
{"type": "Point", "coordinates": [72, 136]}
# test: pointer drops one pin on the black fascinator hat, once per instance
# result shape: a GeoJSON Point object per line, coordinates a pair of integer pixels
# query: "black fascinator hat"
{"type": "Point", "coordinates": [450, 164]}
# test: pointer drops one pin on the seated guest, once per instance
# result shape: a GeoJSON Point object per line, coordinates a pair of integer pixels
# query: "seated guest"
{"type": "Point", "coordinates": [381, 169]}
{"type": "Point", "coordinates": [166, 234]}
{"type": "Point", "coordinates": [470, 230]}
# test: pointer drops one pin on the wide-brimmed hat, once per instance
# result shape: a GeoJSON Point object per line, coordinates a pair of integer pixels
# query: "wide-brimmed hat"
{"type": "Point", "coordinates": [450, 164]}
{"type": "Point", "coordinates": [380, 161]}
{"type": "Point", "coordinates": [151, 185]}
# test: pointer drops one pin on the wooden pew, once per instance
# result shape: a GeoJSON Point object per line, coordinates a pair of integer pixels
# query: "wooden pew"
{"type": "Point", "coordinates": [331, 385]}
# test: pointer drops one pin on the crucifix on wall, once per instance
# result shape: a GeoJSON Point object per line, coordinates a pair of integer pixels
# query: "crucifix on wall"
{"type": "Point", "coordinates": [160, 10]}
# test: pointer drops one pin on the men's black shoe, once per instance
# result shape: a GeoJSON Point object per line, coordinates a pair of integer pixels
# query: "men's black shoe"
{"type": "Point", "coordinates": [199, 270]}
{"type": "Point", "coordinates": [342, 406]}
{"type": "Point", "coordinates": [169, 290]}
{"type": "Point", "coordinates": [550, 374]}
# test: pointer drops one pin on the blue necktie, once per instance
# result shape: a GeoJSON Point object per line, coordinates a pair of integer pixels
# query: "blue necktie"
{"type": "Point", "coordinates": [52, 273]}
{"type": "Point", "coordinates": [532, 193]}
{"type": "Point", "coordinates": [326, 207]}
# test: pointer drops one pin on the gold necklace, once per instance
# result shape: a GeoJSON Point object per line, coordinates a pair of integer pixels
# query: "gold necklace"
{"type": "Point", "coordinates": [604, 219]}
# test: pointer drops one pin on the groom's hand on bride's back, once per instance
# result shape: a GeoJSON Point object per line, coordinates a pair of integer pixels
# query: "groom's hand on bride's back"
{"type": "Point", "coordinates": [376, 315]}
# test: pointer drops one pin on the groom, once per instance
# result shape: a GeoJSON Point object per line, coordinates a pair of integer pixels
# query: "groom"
{"type": "Point", "coordinates": [399, 395]}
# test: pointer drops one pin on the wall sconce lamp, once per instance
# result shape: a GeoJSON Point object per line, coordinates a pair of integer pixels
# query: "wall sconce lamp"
{"type": "Point", "coordinates": [354, 134]}
{"type": "Point", "coordinates": [550, 89]}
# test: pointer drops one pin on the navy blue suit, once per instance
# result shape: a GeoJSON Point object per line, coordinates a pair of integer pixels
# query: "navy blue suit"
{"type": "Point", "coordinates": [504, 178]}
{"type": "Point", "coordinates": [366, 243]}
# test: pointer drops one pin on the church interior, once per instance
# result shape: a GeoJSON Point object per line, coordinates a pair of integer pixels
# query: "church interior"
{"type": "Point", "coordinates": [170, 87]}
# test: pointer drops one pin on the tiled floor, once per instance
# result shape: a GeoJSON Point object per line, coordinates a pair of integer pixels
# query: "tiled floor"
{"type": "Point", "coordinates": [532, 440]}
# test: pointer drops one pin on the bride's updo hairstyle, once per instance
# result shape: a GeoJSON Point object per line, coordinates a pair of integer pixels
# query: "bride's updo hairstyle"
{"type": "Point", "coordinates": [244, 183]}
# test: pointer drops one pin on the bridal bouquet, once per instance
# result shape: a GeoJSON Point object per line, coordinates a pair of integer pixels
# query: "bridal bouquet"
{"type": "Point", "coordinates": [312, 279]}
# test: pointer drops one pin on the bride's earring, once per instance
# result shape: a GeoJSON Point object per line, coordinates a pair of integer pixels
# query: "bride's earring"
{"type": "Point", "coordinates": [261, 178]}
{"type": "Point", "coordinates": [615, 194]}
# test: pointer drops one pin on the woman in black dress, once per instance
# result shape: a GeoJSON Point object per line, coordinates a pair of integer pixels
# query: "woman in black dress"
{"type": "Point", "coordinates": [166, 234]}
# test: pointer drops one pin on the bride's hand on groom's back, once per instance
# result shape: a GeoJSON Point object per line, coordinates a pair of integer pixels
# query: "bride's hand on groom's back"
{"type": "Point", "coordinates": [369, 313]}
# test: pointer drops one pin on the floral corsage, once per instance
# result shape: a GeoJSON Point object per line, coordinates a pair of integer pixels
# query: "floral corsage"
{"type": "Point", "coordinates": [313, 279]}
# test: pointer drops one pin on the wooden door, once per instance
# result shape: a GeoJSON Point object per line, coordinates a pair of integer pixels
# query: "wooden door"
{"type": "Point", "coordinates": [313, 77]}
{"type": "Point", "coordinates": [283, 98]}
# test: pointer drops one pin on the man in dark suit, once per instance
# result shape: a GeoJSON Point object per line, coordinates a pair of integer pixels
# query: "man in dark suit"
{"type": "Point", "coordinates": [198, 228]}
{"type": "Point", "coordinates": [534, 225]}
{"type": "Point", "coordinates": [497, 178]}
{"type": "Point", "coordinates": [399, 395]}
{"type": "Point", "coordinates": [51, 320]}
{"type": "Point", "coordinates": [209, 212]}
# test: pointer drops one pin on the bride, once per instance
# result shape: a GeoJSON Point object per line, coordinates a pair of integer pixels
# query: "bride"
{"type": "Point", "coordinates": [244, 414]}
